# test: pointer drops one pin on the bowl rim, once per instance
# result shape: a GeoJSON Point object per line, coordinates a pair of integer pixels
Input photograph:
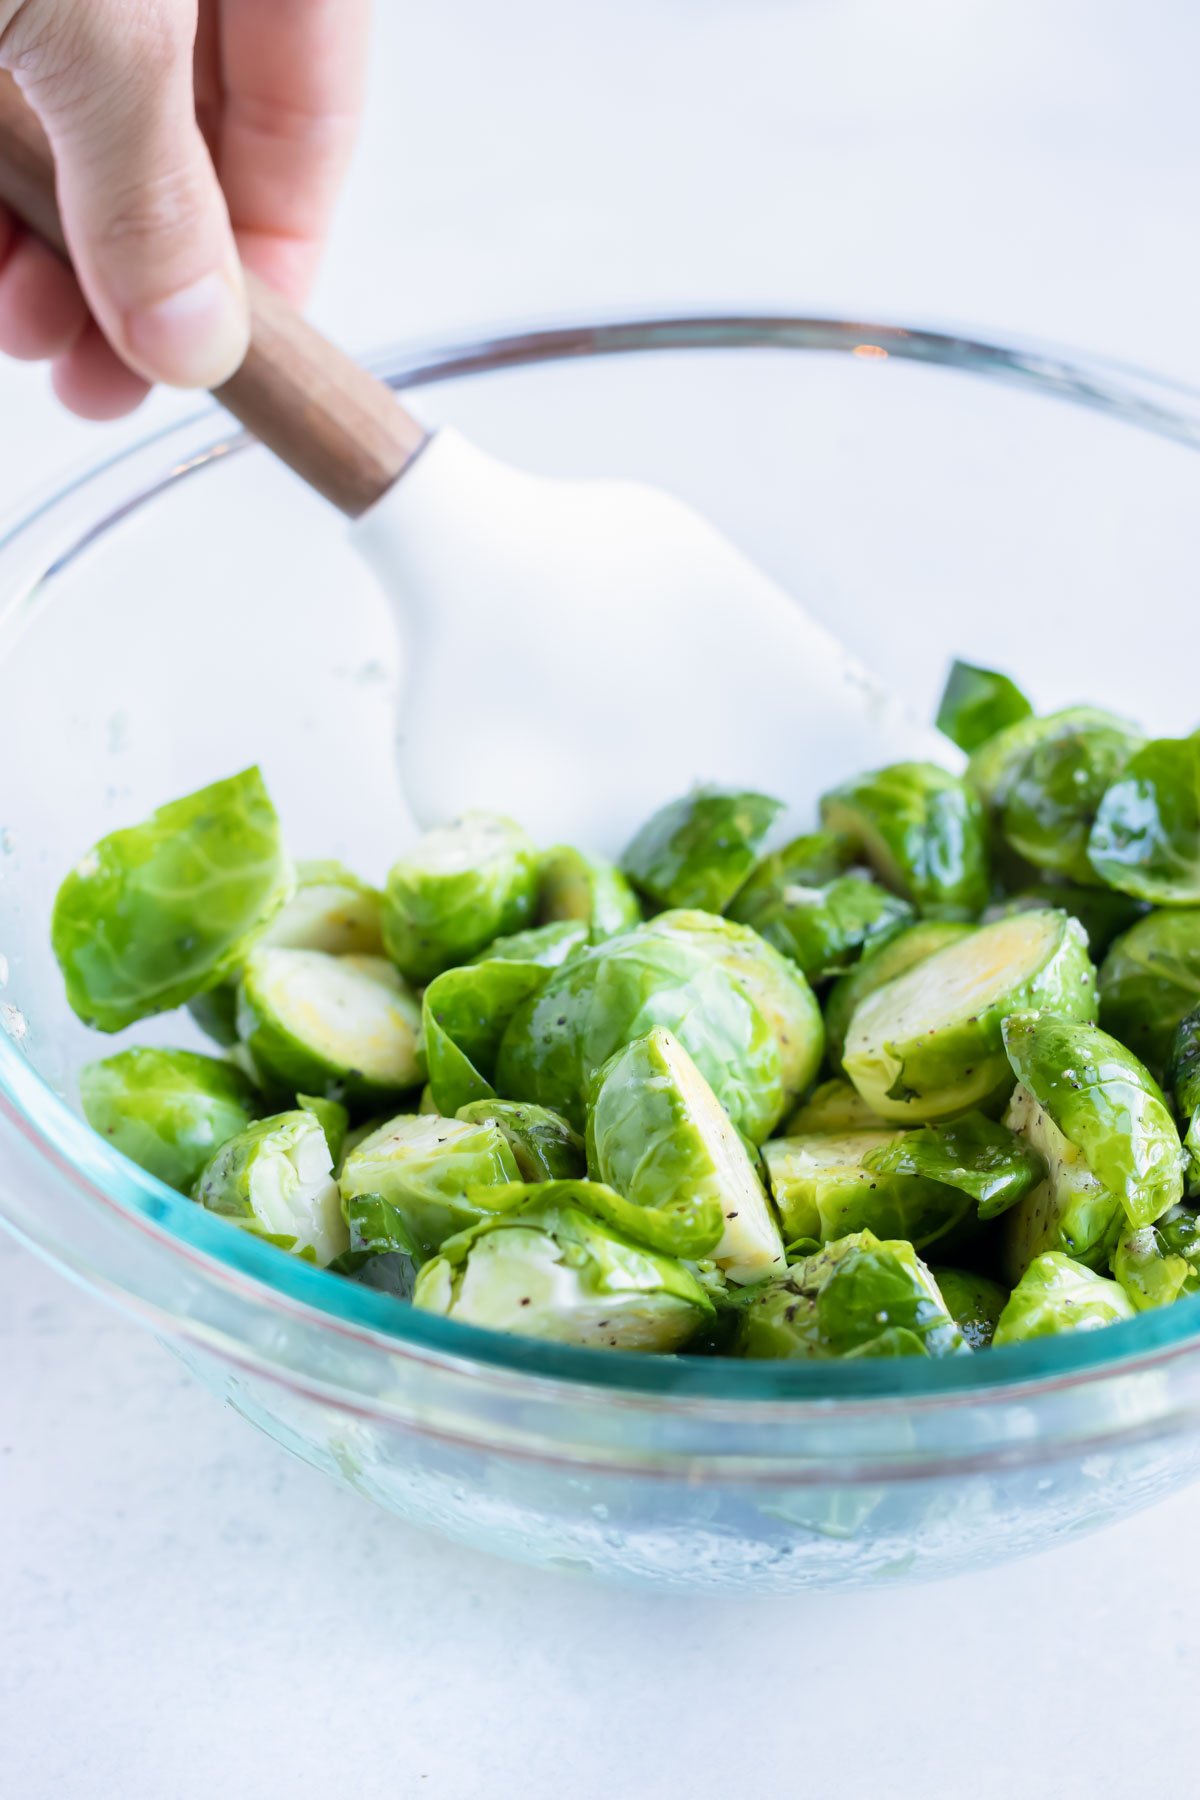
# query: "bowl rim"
{"type": "Point", "coordinates": [257, 1272]}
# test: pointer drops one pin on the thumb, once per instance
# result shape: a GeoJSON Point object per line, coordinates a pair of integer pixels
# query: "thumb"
{"type": "Point", "coordinates": [142, 211]}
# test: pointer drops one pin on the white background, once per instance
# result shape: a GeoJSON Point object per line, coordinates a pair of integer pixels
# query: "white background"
{"type": "Point", "coordinates": [184, 1610]}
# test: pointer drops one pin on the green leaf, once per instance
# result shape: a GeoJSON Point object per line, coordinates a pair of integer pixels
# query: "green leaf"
{"type": "Point", "coordinates": [973, 1154]}
{"type": "Point", "coordinates": [160, 911]}
{"type": "Point", "coordinates": [465, 1013]}
{"type": "Point", "coordinates": [1146, 838]}
{"type": "Point", "coordinates": [1150, 982]}
{"type": "Point", "coordinates": [977, 703]}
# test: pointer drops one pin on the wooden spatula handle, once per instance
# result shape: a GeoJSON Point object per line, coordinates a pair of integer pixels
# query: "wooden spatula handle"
{"type": "Point", "coordinates": [341, 430]}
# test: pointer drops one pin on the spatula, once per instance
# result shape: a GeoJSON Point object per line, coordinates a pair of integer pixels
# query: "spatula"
{"type": "Point", "coordinates": [577, 651]}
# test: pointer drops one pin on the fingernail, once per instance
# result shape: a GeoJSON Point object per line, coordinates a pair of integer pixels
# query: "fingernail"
{"type": "Point", "coordinates": [195, 338]}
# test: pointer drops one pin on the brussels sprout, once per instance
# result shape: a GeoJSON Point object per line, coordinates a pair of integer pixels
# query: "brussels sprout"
{"type": "Point", "coordinates": [543, 1144]}
{"type": "Point", "coordinates": [1146, 838]}
{"type": "Point", "coordinates": [1057, 1294]}
{"type": "Point", "coordinates": [1149, 982]}
{"type": "Point", "coordinates": [619, 990]}
{"type": "Point", "coordinates": [973, 1301]}
{"type": "Point", "coordinates": [825, 1186]}
{"type": "Point", "coordinates": [1106, 1103]}
{"type": "Point", "coordinates": [1185, 1084]}
{"type": "Point", "coordinates": [1103, 914]}
{"type": "Point", "coordinates": [996, 767]}
{"type": "Point", "coordinates": [978, 703]}
{"type": "Point", "coordinates": [331, 910]}
{"type": "Point", "coordinates": [333, 1119]}
{"type": "Point", "coordinates": [856, 1297]}
{"type": "Point", "coordinates": [275, 1179]}
{"type": "Point", "coordinates": [419, 1179]}
{"type": "Point", "coordinates": [159, 911]}
{"type": "Point", "coordinates": [774, 984]}
{"type": "Point", "coordinates": [974, 1155]}
{"type": "Point", "coordinates": [543, 946]}
{"type": "Point", "coordinates": [697, 852]}
{"type": "Point", "coordinates": [812, 860]}
{"type": "Point", "coordinates": [166, 1110]}
{"type": "Point", "coordinates": [921, 830]}
{"type": "Point", "coordinates": [551, 1269]}
{"type": "Point", "coordinates": [340, 1026]}
{"type": "Point", "coordinates": [920, 1185]}
{"type": "Point", "coordinates": [1051, 802]}
{"type": "Point", "coordinates": [1159, 1264]}
{"type": "Point", "coordinates": [881, 963]}
{"type": "Point", "coordinates": [573, 885]}
{"type": "Point", "coordinates": [823, 929]}
{"type": "Point", "coordinates": [928, 1045]}
{"type": "Point", "coordinates": [464, 1013]}
{"type": "Point", "coordinates": [835, 1106]}
{"type": "Point", "coordinates": [658, 1135]}
{"type": "Point", "coordinates": [1069, 1210]}
{"type": "Point", "coordinates": [463, 885]}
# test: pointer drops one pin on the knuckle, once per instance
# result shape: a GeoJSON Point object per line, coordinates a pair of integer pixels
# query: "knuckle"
{"type": "Point", "coordinates": [161, 207]}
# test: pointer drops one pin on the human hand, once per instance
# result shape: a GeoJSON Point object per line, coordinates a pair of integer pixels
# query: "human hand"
{"type": "Point", "coordinates": [185, 136]}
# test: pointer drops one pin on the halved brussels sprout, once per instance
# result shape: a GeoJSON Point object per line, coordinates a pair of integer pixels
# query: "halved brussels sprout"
{"type": "Point", "coordinates": [1146, 838]}
{"type": "Point", "coordinates": [775, 985]}
{"type": "Point", "coordinates": [1159, 1264]}
{"type": "Point", "coordinates": [921, 830]}
{"type": "Point", "coordinates": [1052, 799]}
{"type": "Point", "coordinates": [658, 1135]}
{"type": "Point", "coordinates": [345, 1027]}
{"type": "Point", "coordinates": [974, 1302]}
{"type": "Point", "coordinates": [978, 703]}
{"type": "Point", "coordinates": [698, 851]}
{"type": "Point", "coordinates": [331, 910]}
{"type": "Point", "coordinates": [1069, 1210]}
{"type": "Point", "coordinates": [1106, 1103]}
{"type": "Point", "coordinates": [551, 1269]}
{"type": "Point", "coordinates": [166, 1110]}
{"type": "Point", "coordinates": [1056, 1294]}
{"type": "Point", "coordinates": [972, 1154]}
{"type": "Point", "coordinates": [824, 1187]}
{"type": "Point", "coordinates": [916, 1185]}
{"type": "Point", "coordinates": [420, 1179]}
{"type": "Point", "coordinates": [1185, 1084]}
{"type": "Point", "coordinates": [1103, 914]}
{"type": "Point", "coordinates": [156, 912]}
{"type": "Point", "coordinates": [823, 930]}
{"type": "Point", "coordinates": [543, 946]}
{"type": "Point", "coordinates": [1149, 982]}
{"type": "Point", "coordinates": [333, 1119]}
{"type": "Point", "coordinates": [543, 1144]}
{"type": "Point", "coordinates": [275, 1179]}
{"type": "Point", "coordinates": [856, 1297]}
{"type": "Point", "coordinates": [464, 1015]}
{"type": "Point", "coordinates": [461, 886]}
{"type": "Point", "coordinates": [929, 1046]}
{"type": "Point", "coordinates": [590, 889]}
{"type": "Point", "coordinates": [882, 961]}
{"type": "Point", "coordinates": [618, 991]}
{"type": "Point", "coordinates": [835, 1106]}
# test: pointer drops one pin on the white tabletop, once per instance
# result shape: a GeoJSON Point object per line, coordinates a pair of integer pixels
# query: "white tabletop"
{"type": "Point", "coordinates": [184, 1609]}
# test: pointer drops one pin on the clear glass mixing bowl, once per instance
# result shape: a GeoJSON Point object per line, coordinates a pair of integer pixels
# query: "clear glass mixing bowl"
{"type": "Point", "coordinates": [188, 609]}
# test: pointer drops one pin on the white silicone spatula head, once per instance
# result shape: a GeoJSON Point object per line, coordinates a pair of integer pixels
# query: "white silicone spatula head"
{"type": "Point", "coordinates": [576, 652]}
{"type": "Point", "coordinates": [580, 651]}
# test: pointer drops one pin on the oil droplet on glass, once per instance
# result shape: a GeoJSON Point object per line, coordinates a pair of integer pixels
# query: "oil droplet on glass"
{"type": "Point", "coordinates": [14, 1021]}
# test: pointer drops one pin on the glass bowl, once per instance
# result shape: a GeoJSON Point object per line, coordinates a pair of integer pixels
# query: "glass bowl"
{"type": "Point", "coordinates": [188, 609]}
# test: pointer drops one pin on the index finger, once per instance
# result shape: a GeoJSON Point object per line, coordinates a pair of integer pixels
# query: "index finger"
{"type": "Point", "coordinates": [287, 79]}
